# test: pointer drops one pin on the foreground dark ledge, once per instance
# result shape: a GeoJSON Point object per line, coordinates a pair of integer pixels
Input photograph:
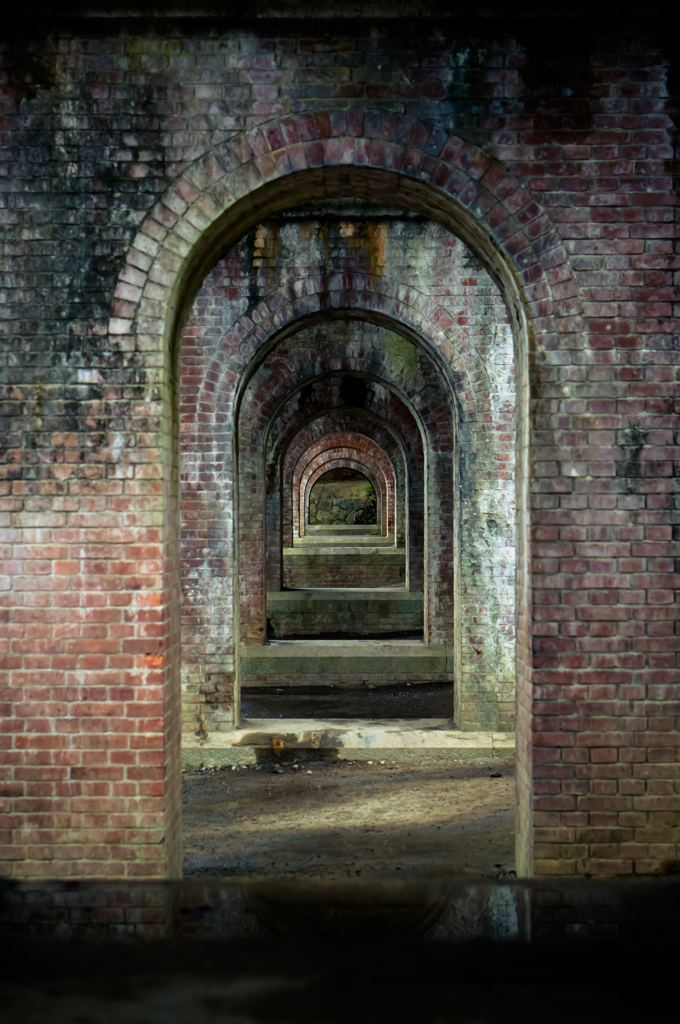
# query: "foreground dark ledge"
{"type": "Point", "coordinates": [435, 910]}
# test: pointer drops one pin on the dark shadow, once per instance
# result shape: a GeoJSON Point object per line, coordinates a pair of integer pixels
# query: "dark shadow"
{"type": "Point", "coordinates": [424, 700]}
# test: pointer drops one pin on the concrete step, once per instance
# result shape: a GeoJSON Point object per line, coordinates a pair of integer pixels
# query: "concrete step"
{"type": "Point", "coordinates": [421, 732]}
{"type": "Point", "coordinates": [345, 663]}
{"type": "Point", "coordinates": [346, 566]}
{"type": "Point", "coordinates": [350, 611]}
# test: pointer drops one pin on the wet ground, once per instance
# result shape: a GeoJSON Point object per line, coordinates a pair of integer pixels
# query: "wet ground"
{"type": "Point", "coordinates": [338, 819]}
{"type": "Point", "coordinates": [424, 700]}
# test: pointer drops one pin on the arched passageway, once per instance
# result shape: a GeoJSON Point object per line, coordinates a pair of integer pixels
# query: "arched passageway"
{"type": "Point", "coordinates": [401, 443]}
{"type": "Point", "coordinates": [220, 388]}
{"type": "Point", "coordinates": [342, 496]}
{"type": "Point", "coordinates": [138, 535]}
{"type": "Point", "coordinates": [448, 405]}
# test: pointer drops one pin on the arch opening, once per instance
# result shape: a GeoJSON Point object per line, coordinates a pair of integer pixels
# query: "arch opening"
{"type": "Point", "coordinates": [319, 349]}
{"type": "Point", "coordinates": [263, 339]}
{"type": "Point", "coordinates": [342, 497]}
{"type": "Point", "coordinates": [347, 496]}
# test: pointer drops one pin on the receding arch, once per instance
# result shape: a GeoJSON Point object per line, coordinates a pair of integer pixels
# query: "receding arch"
{"type": "Point", "coordinates": [402, 442]}
{"type": "Point", "coordinates": [299, 158]}
{"type": "Point", "coordinates": [434, 420]}
{"type": "Point", "coordinates": [350, 299]}
{"type": "Point", "coordinates": [238, 185]}
{"type": "Point", "coordinates": [343, 461]}
{"type": "Point", "coordinates": [341, 420]}
{"type": "Point", "coordinates": [360, 445]}
{"type": "Point", "coordinates": [383, 483]}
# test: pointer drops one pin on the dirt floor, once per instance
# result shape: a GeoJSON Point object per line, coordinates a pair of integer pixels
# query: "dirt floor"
{"type": "Point", "coordinates": [337, 819]}
{"type": "Point", "coordinates": [424, 700]}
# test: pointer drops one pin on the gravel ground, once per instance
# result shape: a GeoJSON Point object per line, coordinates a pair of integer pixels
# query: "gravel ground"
{"type": "Point", "coordinates": [336, 819]}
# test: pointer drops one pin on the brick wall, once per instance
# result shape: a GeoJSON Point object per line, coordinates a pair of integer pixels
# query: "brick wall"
{"type": "Point", "coordinates": [139, 154]}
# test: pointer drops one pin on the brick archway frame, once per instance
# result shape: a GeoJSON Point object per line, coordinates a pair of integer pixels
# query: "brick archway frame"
{"type": "Point", "coordinates": [363, 449]}
{"type": "Point", "coordinates": [427, 402]}
{"type": "Point", "coordinates": [428, 407]}
{"type": "Point", "coordinates": [282, 163]}
{"type": "Point", "coordinates": [343, 461]}
{"type": "Point", "coordinates": [405, 454]}
{"type": "Point", "coordinates": [400, 439]}
{"type": "Point", "coordinates": [383, 434]}
{"type": "Point", "coordinates": [336, 459]}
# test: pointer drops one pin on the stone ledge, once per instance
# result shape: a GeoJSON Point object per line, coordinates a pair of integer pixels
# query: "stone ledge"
{"type": "Point", "coordinates": [360, 541]}
{"type": "Point", "coordinates": [343, 530]}
{"type": "Point", "coordinates": [361, 739]}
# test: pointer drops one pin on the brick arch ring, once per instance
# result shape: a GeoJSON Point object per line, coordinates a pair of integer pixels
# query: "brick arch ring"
{"type": "Point", "coordinates": [381, 479]}
{"type": "Point", "coordinates": [342, 459]}
{"type": "Point", "coordinates": [345, 421]}
{"type": "Point", "coordinates": [360, 152]}
{"type": "Point", "coordinates": [421, 411]}
{"type": "Point", "coordinates": [404, 310]}
{"type": "Point", "coordinates": [363, 449]}
{"type": "Point", "coordinates": [216, 396]}
{"type": "Point", "coordinates": [437, 438]}
{"type": "Point", "coordinates": [283, 451]}
{"type": "Point", "coordinates": [285, 448]}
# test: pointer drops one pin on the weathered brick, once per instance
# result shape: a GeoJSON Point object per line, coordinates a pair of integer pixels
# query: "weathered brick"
{"type": "Point", "coordinates": [578, 223]}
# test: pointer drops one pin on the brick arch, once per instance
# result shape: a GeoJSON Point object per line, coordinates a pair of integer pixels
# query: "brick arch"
{"type": "Point", "coordinates": [287, 365]}
{"type": "Point", "coordinates": [388, 415]}
{"type": "Point", "coordinates": [412, 314]}
{"type": "Point", "coordinates": [282, 381]}
{"type": "Point", "coordinates": [344, 458]}
{"type": "Point", "coordinates": [217, 399]}
{"type": "Point", "coordinates": [422, 404]}
{"type": "Point", "coordinates": [217, 471]}
{"type": "Point", "coordinates": [430, 411]}
{"type": "Point", "coordinates": [398, 436]}
{"type": "Point", "coordinates": [334, 153]}
{"type": "Point", "coordinates": [399, 304]}
{"type": "Point", "coordinates": [434, 422]}
{"type": "Point", "coordinates": [361, 152]}
{"type": "Point", "coordinates": [285, 380]}
{"type": "Point", "coordinates": [344, 421]}
{"type": "Point", "coordinates": [362, 446]}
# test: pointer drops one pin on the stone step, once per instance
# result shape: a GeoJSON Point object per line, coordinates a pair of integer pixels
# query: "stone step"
{"type": "Point", "coordinates": [347, 566]}
{"type": "Point", "coordinates": [352, 611]}
{"type": "Point", "coordinates": [345, 663]}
